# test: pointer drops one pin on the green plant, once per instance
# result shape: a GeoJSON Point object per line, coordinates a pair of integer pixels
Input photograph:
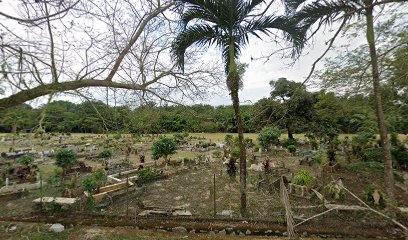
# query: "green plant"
{"type": "Point", "coordinates": [372, 154]}
{"type": "Point", "coordinates": [304, 178]}
{"type": "Point", "coordinates": [229, 140]}
{"type": "Point", "coordinates": [107, 153]}
{"type": "Point", "coordinates": [290, 142]}
{"type": "Point", "coordinates": [52, 207]}
{"type": "Point", "coordinates": [26, 160]}
{"type": "Point", "coordinates": [317, 158]}
{"type": "Point", "coordinates": [89, 183]}
{"type": "Point", "coordinates": [3, 154]}
{"type": "Point", "coordinates": [292, 148]}
{"type": "Point", "coordinates": [334, 192]}
{"type": "Point", "coordinates": [268, 136]}
{"type": "Point", "coordinates": [235, 152]}
{"type": "Point", "coordinates": [163, 148]}
{"type": "Point", "coordinates": [375, 167]}
{"type": "Point", "coordinates": [394, 139]}
{"type": "Point", "coordinates": [400, 154]}
{"type": "Point", "coordinates": [146, 174]}
{"type": "Point", "coordinates": [117, 136]}
{"type": "Point", "coordinates": [100, 177]}
{"type": "Point", "coordinates": [217, 154]}
{"type": "Point", "coordinates": [66, 159]}
{"type": "Point", "coordinates": [368, 194]}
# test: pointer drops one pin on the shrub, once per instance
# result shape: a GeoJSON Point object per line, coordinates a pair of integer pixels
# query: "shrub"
{"type": "Point", "coordinates": [107, 153]}
{"type": "Point", "coordinates": [146, 174]}
{"type": "Point", "coordinates": [400, 154]}
{"type": "Point", "coordinates": [268, 136]}
{"type": "Point", "coordinates": [89, 183]}
{"type": "Point", "coordinates": [317, 158]}
{"type": "Point", "coordinates": [66, 159]}
{"type": "Point", "coordinates": [394, 139]}
{"type": "Point", "coordinates": [26, 160]}
{"type": "Point", "coordinates": [334, 192]}
{"type": "Point", "coordinates": [235, 152]}
{"type": "Point", "coordinates": [372, 154]}
{"type": "Point", "coordinates": [368, 193]}
{"type": "Point", "coordinates": [229, 140]}
{"type": "Point", "coordinates": [303, 178]}
{"type": "Point", "coordinates": [290, 142]}
{"type": "Point", "coordinates": [117, 136]}
{"type": "Point", "coordinates": [292, 148]}
{"type": "Point", "coordinates": [217, 154]}
{"type": "Point", "coordinates": [374, 167]}
{"type": "Point", "coordinates": [256, 149]}
{"type": "Point", "coordinates": [163, 148]}
{"type": "Point", "coordinates": [3, 154]}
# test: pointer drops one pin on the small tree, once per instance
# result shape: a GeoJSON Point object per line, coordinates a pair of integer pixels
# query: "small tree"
{"type": "Point", "coordinates": [100, 177]}
{"type": "Point", "coordinates": [164, 147]}
{"type": "Point", "coordinates": [66, 159]}
{"type": "Point", "coordinates": [268, 136]}
{"type": "Point", "coordinates": [89, 183]}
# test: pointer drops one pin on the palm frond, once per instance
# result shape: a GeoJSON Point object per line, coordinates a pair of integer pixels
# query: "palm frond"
{"type": "Point", "coordinates": [200, 35]}
{"type": "Point", "coordinates": [324, 12]}
{"type": "Point", "coordinates": [291, 31]}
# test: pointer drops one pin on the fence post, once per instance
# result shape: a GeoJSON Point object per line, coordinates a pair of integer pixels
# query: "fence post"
{"type": "Point", "coordinates": [127, 196]}
{"type": "Point", "coordinates": [41, 193]}
{"type": "Point", "coordinates": [215, 210]}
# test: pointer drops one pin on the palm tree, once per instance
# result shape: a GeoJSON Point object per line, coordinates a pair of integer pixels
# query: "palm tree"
{"type": "Point", "coordinates": [228, 24]}
{"type": "Point", "coordinates": [331, 11]}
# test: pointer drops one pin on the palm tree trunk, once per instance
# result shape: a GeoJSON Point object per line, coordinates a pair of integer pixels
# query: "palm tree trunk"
{"type": "Point", "coordinates": [388, 171]}
{"type": "Point", "coordinates": [233, 85]}
{"type": "Point", "coordinates": [242, 151]}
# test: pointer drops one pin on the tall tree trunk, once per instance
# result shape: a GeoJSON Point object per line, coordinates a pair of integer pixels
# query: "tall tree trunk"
{"type": "Point", "coordinates": [242, 150]}
{"type": "Point", "coordinates": [233, 81]}
{"type": "Point", "coordinates": [388, 171]}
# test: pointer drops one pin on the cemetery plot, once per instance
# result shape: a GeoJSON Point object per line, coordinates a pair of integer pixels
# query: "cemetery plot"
{"type": "Point", "coordinates": [197, 178]}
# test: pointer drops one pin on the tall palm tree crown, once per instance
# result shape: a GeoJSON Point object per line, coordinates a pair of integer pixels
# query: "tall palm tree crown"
{"type": "Point", "coordinates": [228, 24]}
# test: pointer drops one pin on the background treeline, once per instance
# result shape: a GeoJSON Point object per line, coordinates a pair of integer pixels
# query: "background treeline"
{"type": "Point", "coordinates": [290, 107]}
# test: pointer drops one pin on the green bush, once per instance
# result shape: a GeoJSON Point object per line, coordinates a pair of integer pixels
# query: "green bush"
{"type": "Point", "coordinates": [400, 155]}
{"type": "Point", "coordinates": [292, 148]}
{"type": "Point", "coordinates": [317, 158]}
{"type": "Point", "coordinates": [374, 167]}
{"type": "Point", "coordinates": [268, 136]}
{"type": "Point", "coordinates": [117, 136]}
{"type": "Point", "coordinates": [26, 160]}
{"type": "Point", "coordinates": [146, 174]}
{"type": "Point", "coordinates": [332, 191]}
{"type": "Point", "coordinates": [217, 154]}
{"type": "Point", "coordinates": [3, 154]}
{"type": "Point", "coordinates": [89, 183]}
{"type": "Point", "coordinates": [107, 153]}
{"type": "Point", "coordinates": [66, 159]}
{"type": "Point", "coordinates": [235, 152]}
{"type": "Point", "coordinates": [368, 195]}
{"type": "Point", "coordinates": [303, 178]}
{"type": "Point", "coordinates": [372, 155]}
{"type": "Point", "coordinates": [290, 142]}
{"type": "Point", "coordinates": [163, 148]}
